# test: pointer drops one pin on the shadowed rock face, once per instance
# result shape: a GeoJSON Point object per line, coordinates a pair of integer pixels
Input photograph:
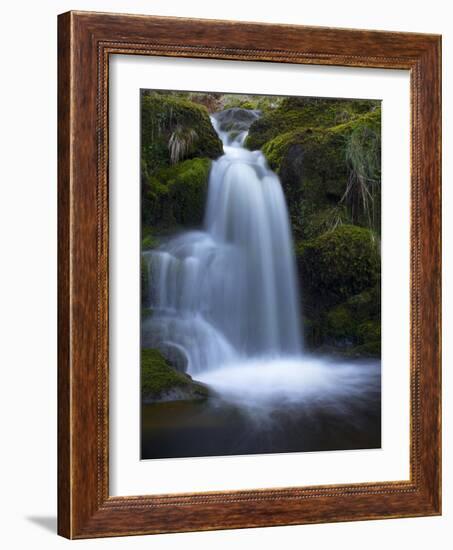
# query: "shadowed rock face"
{"type": "Point", "coordinates": [236, 119]}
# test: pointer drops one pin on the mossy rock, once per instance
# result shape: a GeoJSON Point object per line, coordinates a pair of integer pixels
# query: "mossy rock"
{"type": "Point", "coordinates": [161, 382]}
{"type": "Point", "coordinates": [149, 240]}
{"type": "Point", "coordinates": [304, 113]}
{"type": "Point", "coordinates": [369, 331]}
{"type": "Point", "coordinates": [170, 118]}
{"type": "Point", "coordinates": [370, 349]}
{"type": "Point", "coordinates": [347, 326]}
{"type": "Point", "coordinates": [341, 326]}
{"type": "Point", "coordinates": [338, 265]}
{"type": "Point", "coordinates": [337, 317]}
{"type": "Point", "coordinates": [324, 220]}
{"type": "Point", "coordinates": [176, 195]}
{"type": "Point", "coordinates": [314, 167]}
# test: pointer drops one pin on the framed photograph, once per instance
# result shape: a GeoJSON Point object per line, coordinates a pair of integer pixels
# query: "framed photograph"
{"type": "Point", "coordinates": [249, 275]}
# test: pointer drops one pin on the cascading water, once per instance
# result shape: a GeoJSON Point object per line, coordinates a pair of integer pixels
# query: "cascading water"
{"type": "Point", "coordinates": [228, 293]}
{"type": "Point", "coordinates": [224, 305]}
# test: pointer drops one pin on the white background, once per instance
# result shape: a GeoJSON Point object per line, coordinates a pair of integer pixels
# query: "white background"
{"type": "Point", "coordinates": [28, 271]}
{"type": "Point", "coordinates": [129, 475]}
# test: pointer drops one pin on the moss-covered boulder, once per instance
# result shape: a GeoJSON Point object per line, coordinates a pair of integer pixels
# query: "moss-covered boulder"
{"type": "Point", "coordinates": [339, 264]}
{"type": "Point", "coordinates": [326, 152]}
{"type": "Point", "coordinates": [176, 195]}
{"type": "Point", "coordinates": [312, 169]}
{"type": "Point", "coordinates": [305, 113]}
{"type": "Point", "coordinates": [316, 172]}
{"type": "Point", "coordinates": [174, 128]}
{"type": "Point", "coordinates": [325, 220]}
{"type": "Point", "coordinates": [352, 328]}
{"type": "Point", "coordinates": [339, 274]}
{"type": "Point", "coordinates": [161, 382]}
{"type": "Point", "coordinates": [355, 325]}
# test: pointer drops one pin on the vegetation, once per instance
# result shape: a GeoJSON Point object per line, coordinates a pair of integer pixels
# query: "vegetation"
{"type": "Point", "coordinates": [176, 195]}
{"type": "Point", "coordinates": [363, 155]}
{"type": "Point", "coordinates": [339, 263]}
{"type": "Point", "coordinates": [321, 169]}
{"type": "Point", "coordinates": [304, 113]}
{"type": "Point", "coordinates": [256, 102]}
{"type": "Point", "coordinates": [149, 241]}
{"type": "Point", "coordinates": [340, 270]}
{"type": "Point", "coordinates": [159, 380]}
{"type": "Point", "coordinates": [161, 116]}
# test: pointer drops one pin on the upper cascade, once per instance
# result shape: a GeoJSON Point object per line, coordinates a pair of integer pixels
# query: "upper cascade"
{"type": "Point", "coordinates": [229, 292]}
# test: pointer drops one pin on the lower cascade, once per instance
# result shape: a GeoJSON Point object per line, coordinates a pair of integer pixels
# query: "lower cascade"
{"type": "Point", "coordinates": [228, 293]}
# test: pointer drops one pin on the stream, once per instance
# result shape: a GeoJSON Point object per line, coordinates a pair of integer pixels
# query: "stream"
{"type": "Point", "coordinates": [225, 300]}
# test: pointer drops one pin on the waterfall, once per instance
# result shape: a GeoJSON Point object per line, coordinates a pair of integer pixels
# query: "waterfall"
{"type": "Point", "coordinates": [228, 293]}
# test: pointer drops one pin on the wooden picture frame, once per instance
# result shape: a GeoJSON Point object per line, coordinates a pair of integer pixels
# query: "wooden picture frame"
{"type": "Point", "coordinates": [85, 42]}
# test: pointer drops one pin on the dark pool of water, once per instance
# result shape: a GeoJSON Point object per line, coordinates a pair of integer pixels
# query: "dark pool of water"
{"type": "Point", "coordinates": [217, 427]}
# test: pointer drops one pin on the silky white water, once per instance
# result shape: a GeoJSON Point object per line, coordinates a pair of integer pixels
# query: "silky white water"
{"type": "Point", "coordinates": [228, 293]}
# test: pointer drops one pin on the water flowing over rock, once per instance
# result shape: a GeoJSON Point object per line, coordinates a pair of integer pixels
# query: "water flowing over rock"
{"type": "Point", "coordinates": [228, 292]}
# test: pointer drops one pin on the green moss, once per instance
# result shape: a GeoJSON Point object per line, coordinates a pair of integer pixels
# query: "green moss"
{"type": "Point", "coordinates": [149, 241]}
{"type": "Point", "coordinates": [344, 326]}
{"type": "Point", "coordinates": [168, 118]}
{"type": "Point", "coordinates": [369, 331]}
{"type": "Point", "coordinates": [315, 170]}
{"type": "Point", "coordinates": [338, 264]}
{"type": "Point", "coordinates": [304, 113]}
{"type": "Point", "coordinates": [257, 102]}
{"type": "Point", "coordinates": [176, 195]}
{"type": "Point", "coordinates": [276, 148]}
{"type": "Point", "coordinates": [363, 157]}
{"type": "Point", "coordinates": [370, 349]}
{"type": "Point", "coordinates": [341, 325]}
{"type": "Point", "coordinates": [158, 377]}
{"type": "Point", "coordinates": [340, 279]}
{"type": "Point", "coordinates": [321, 221]}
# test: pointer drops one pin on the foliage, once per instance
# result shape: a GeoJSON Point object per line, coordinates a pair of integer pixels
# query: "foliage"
{"type": "Point", "coordinates": [181, 143]}
{"type": "Point", "coordinates": [322, 221]}
{"type": "Point", "coordinates": [363, 155]}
